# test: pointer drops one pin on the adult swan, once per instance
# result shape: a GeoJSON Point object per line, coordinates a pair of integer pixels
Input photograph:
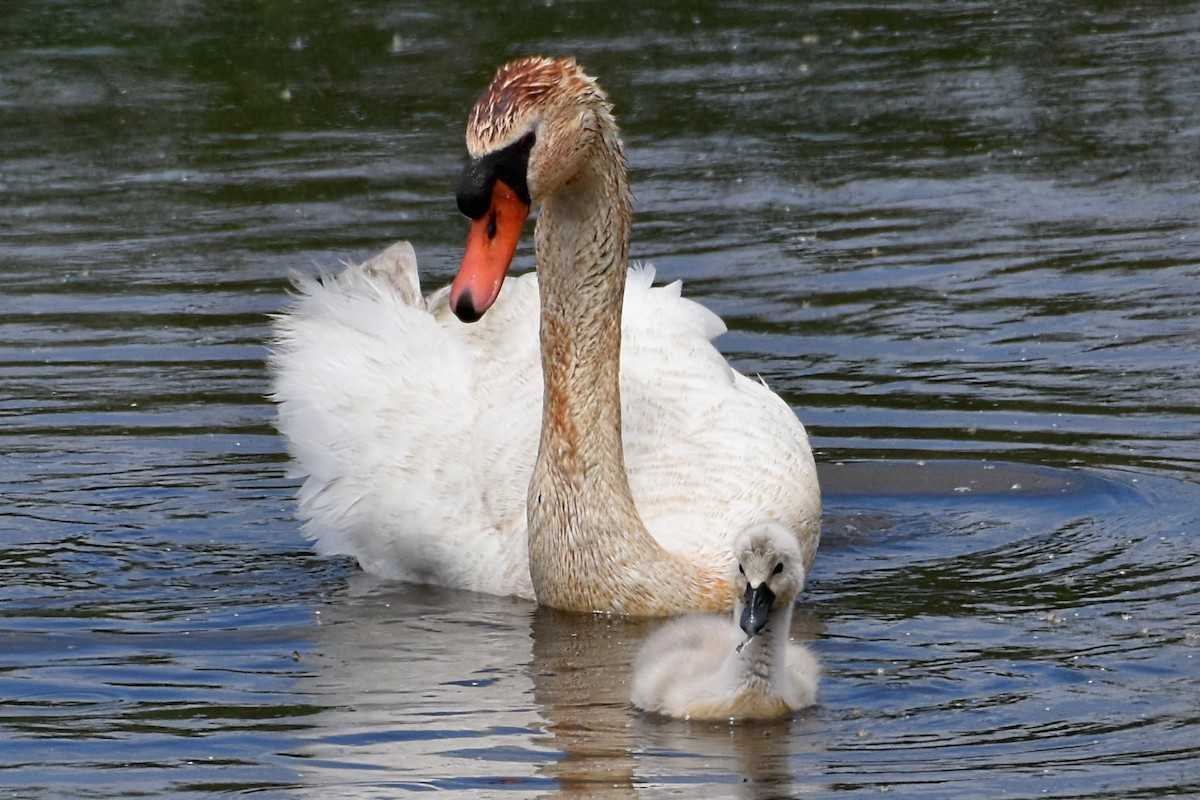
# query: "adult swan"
{"type": "Point", "coordinates": [614, 472]}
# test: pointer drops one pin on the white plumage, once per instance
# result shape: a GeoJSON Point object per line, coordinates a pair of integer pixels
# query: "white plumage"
{"type": "Point", "coordinates": [422, 441]}
{"type": "Point", "coordinates": [417, 434]}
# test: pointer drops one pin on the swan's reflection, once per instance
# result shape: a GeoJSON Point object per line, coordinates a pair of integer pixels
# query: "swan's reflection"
{"type": "Point", "coordinates": [417, 687]}
{"type": "Point", "coordinates": [581, 667]}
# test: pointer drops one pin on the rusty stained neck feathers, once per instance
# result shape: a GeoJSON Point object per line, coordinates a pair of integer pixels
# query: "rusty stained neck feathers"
{"type": "Point", "coordinates": [588, 547]}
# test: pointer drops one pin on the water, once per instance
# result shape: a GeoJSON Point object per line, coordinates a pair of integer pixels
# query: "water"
{"type": "Point", "coordinates": [959, 239]}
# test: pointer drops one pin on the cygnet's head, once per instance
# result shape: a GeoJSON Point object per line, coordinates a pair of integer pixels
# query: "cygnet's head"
{"type": "Point", "coordinates": [770, 573]}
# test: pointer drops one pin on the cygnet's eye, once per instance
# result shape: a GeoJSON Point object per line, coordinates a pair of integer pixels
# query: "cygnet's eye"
{"type": "Point", "coordinates": [778, 568]}
{"type": "Point", "coordinates": [527, 141]}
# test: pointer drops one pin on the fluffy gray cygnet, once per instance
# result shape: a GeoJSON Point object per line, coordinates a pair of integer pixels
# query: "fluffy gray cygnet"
{"type": "Point", "coordinates": [707, 668]}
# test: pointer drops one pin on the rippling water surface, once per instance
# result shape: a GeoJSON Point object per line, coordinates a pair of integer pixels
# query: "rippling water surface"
{"type": "Point", "coordinates": [960, 239]}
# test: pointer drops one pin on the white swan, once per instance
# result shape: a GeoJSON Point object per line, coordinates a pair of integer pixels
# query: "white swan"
{"type": "Point", "coordinates": [705, 667]}
{"type": "Point", "coordinates": [427, 450]}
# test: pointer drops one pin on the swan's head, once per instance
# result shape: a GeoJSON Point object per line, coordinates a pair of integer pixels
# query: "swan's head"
{"type": "Point", "coordinates": [769, 575]}
{"type": "Point", "coordinates": [532, 131]}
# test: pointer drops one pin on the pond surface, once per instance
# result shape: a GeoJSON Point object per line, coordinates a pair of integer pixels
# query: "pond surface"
{"type": "Point", "coordinates": [960, 239]}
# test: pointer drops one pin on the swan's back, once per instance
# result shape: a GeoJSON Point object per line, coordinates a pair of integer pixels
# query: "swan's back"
{"type": "Point", "coordinates": [706, 448]}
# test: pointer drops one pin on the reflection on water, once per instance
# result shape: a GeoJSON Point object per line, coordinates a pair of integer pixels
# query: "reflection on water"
{"type": "Point", "coordinates": [960, 240]}
{"type": "Point", "coordinates": [951, 635]}
{"type": "Point", "coordinates": [479, 691]}
{"type": "Point", "coordinates": [449, 691]}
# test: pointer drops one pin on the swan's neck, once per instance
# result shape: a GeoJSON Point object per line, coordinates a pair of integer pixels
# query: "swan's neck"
{"type": "Point", "coordinates": [764, 657]}
{"type": "Point", "coordinates": [588, 547]}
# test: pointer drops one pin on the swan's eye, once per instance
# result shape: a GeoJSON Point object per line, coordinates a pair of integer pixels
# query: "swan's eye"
{"type": "Point", "coordinates": [778, 568]}
{"type": "Point", "coordinates": [741, 570]}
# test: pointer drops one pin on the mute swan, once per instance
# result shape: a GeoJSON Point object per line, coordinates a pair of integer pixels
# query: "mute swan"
{"type": "Point", "coordinates": [703, 667]}
{"type": "Point", "coordinates": [427, 450]}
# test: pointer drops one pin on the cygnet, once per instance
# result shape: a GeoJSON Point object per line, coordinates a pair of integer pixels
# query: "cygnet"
{"type": "Point", "coordinates": [705, 668]}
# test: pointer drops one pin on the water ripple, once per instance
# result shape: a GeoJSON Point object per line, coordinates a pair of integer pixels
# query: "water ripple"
{"type": "Point", "coordinates": [958, 239]}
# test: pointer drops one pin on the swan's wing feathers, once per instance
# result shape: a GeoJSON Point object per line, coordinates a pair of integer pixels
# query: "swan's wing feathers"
{"type": "Point", "coordinates": [394, 271]}
{"type": "Point", "coordinates": [354, 366]}
{"type": "Point", "coordinates": [665, 307]}
{"type": "Point", "coordinates": [385, 408]}
{"type": "Point", "coordinates": [708, 450]}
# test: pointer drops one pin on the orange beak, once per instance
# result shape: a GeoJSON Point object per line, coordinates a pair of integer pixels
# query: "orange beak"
{"type": "Point", "coordinates": [491, 243]}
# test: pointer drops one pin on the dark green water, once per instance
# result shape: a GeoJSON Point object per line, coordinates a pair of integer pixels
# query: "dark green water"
{"type": "Point", "coordinates": [960, 239]}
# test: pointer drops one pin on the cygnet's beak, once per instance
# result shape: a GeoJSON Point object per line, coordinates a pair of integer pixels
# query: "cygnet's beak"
{"type": "Point", "coordinates": [756, 608]}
